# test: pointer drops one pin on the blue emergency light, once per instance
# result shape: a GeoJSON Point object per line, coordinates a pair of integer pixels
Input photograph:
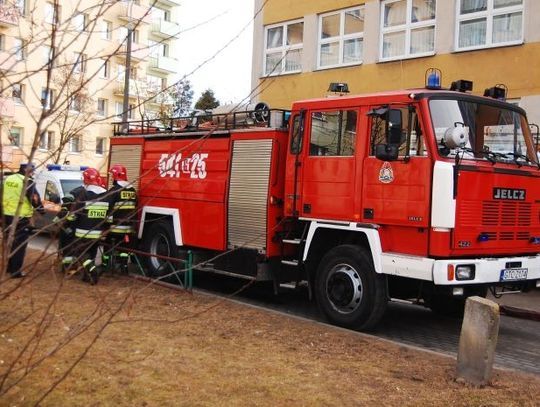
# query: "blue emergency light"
{"type": "Point", "coordinates": [62, 167]}
{"type": "Point", "coordinates": [433, 78]}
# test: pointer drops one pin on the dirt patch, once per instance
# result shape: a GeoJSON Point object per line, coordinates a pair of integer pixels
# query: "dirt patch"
{"type": "Point", "coordinates": [122, 342]}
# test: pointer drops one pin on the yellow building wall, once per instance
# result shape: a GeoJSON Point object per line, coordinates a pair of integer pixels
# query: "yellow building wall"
{"type": "Point", "coordinates": [517, 67]}
{"type": "Point", "coordinates": [283, 10]}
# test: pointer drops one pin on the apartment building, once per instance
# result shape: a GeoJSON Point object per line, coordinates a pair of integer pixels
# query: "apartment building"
{"type": "Point", "coordinates": [378, 45]}
{"type": "Point", "coordinates": [62, 74]}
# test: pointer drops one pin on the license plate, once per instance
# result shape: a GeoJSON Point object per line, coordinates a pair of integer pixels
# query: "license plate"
{"type": "Point", "coordinates": [513, 274]}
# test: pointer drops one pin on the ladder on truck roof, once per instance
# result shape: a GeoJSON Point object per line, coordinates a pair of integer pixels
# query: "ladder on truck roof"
{"type": "Point", "coordinates": [271, 118]}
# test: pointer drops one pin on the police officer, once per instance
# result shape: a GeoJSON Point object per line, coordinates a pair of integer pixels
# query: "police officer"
{"type": "Point", "coordinates": [15, 202]}
{"type": "Point", "coordinates": [90, 220]}
{"type": "Point", "coordinates": [122, 215]}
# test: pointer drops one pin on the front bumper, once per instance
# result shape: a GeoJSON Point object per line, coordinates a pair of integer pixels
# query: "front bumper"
{"type": "Point", "coordinates": [487, 270]}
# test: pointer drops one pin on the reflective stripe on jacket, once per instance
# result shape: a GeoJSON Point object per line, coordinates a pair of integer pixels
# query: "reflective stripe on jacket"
{"type": "Point", "coordinates": [13, 186]}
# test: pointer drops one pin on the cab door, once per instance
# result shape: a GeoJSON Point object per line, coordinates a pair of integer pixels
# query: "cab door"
{"type": "Point", "coordinates": [396, 192]}
{"type": "Point", "coordinates": [328, 168]}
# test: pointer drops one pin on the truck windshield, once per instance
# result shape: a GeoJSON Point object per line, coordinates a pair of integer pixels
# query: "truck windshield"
{"type": "Point", "coordinates": [482, 131]}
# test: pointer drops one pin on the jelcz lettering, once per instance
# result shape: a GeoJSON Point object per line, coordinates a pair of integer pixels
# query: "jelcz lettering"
{"type": "Point", "coordinates": [509, 194]}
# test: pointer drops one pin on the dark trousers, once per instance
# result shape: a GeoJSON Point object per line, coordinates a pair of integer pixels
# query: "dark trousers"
{"type": "Point", "coordinates": [20, 241]}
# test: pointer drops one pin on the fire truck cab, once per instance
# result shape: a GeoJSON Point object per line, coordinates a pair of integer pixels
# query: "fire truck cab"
{"type": "Point", "coordinates": [428, 195]}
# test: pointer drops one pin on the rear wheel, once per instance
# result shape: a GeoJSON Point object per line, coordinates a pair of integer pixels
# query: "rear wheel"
{"type": "Point", "coordinates": [159, 240]}
{"type": "Point", "coordinates": [348, 291]}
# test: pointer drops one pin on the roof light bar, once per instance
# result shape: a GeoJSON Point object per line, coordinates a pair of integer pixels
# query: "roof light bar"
{"type": "Point", "coordinates": [433, 78]}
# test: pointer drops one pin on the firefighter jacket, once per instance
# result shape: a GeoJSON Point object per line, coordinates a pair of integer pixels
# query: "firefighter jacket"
{"type": "Point", "coordinates": [66, 215]}
{"type": "Point", "coordinates": [90, 210]}
{"type": "Point", "coordinates": [123, 208]}
{"type": "Point", "coordinates": [13, 186]}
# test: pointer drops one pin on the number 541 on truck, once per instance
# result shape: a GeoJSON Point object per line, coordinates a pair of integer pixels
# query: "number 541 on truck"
{"type": "Point", "coordinates": [429, 194]}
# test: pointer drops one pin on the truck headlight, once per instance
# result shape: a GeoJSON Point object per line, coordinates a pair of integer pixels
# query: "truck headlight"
{"type": "Point", "coordinates": [465, 272]}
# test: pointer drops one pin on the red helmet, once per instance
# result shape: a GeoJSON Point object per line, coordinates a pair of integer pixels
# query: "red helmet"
{"type": "Point", "coordinates": [119, 172]}
{"type": "Point", "coordinates": [91, 177]}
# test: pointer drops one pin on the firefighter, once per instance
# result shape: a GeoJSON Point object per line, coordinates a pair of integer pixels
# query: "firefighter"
{"type": "Point", "coordinates": [122, 216]}
{"type": "Point", "coordinates": [13, 205]}
{"type": "Point", "coordinates": [90, 215]}
{"type": "Point", "coordinates": [64, 219]}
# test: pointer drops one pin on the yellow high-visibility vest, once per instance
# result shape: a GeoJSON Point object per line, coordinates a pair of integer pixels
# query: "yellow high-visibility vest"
{"type": "Point", "coordinates": [13, 186]}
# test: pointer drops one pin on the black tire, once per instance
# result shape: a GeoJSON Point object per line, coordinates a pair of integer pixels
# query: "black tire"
{"type": "Point", "coordinates": [159, 239]}
{"type": "Point", "coordinates": [348, 291]}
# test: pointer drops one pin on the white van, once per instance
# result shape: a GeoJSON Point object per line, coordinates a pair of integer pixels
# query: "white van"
{"type": "Point", "coordinates": [52, 185]}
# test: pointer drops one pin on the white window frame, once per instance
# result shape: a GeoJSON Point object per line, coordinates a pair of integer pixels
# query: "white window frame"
{"type": "Point", "coordinates": [51, 13]}
{"type": "Point", "coordinates": [488, 14]}
{"type": "Point", "coordinates": [19, 49]}
{"type": "Point", "coordinates": [341, 38]}
{"type": "Point", "coordinates": [47, 98]}
{"type": "Point", "coordinates": [79, 62]}
{"type": "Point", "coordinates": [104, 71]}
{"type": "Point", "coordinates": [80, 26]}
{"type": "Point", "coordinates": [17, 93]}
{"type": "Point", "coordinates": [101, 113]}
{"type": "Point", "coordinates": [20, 134]}
{"type": "Point", "coordinates": [46, 140]}
{"type": "Point", "coordinates": [119, 109]}
{"type": "Point", "coordinates": [107, 28]}
{"type": "Point", "coordinates": [102, 141]}
{"type": "Point", "coordinates": [408, 27]}
{"type": "Point", "coordinates": [75, 147]}
{"type": "Point", "coordinates": [283, 48]}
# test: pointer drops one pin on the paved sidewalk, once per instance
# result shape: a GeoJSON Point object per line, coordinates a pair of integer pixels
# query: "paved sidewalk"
{"type": "Point", "coordinates": [529, 300]}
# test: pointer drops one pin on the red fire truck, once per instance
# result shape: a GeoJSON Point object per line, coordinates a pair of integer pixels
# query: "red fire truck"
{"type": "Point", "coordinates": [430, 195]}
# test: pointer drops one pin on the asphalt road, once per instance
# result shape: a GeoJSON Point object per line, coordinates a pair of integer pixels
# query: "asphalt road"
{"type": "Point", "coordinates": [518, 346]}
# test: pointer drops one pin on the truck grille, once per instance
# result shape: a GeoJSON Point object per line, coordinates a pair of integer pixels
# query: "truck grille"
{"type": "Point", "coordinates": [498, 220]}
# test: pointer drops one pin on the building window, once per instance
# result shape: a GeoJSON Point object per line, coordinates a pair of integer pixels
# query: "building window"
{"type": "Point", "coordinates": [333, 133]}
{"type": "Point", "coordinates": [341, 37]}
{"type": "Point", "coordinates": [2, 42]}
{"type": "Point", "coordinates": [80, 22]}
{"type": "Point", "coordinates": [123, 32]}
{"type": "Point", "coordinates": [106, 30]}
{"type": "Point", "coordinates": [51, 13]}
{"type": "Point", "coordinates": [46, 140]}
{"type": "Point", "coordinates": [104, 71]}
{"type": "Point", "coordinates": [407, 28]}
{"type": "Point", "coordinates": [15, 136]}
{"type": "Point", "coordinates": [19, 49]}
{"type": "Point", "coordinates": [283, 48]}
{"type": "Point", "coordinates": [79, 62]}
{"type": "Point", "coordinates": [47, 98]}
{"type": "Point", "coordinates": [131, 112]}
{"type": "Point", "coordinates": [21, 6]}
{"type": "Point", "coordinates": [75, 144]}
{"type": "Point", "coordinates": [119, 109]}
{"type": "Point", "coordinates": [100, 146]}
{"type": "Point", "coordinates": [17, 93]}
{"type": "Point", "coordinates": [159, 14]}
{"type": "Point", "coordinates": [101, 107]}
{"type": "Point", "coordinates": [489, 23]}
{"type": "Point", "coordinates": [75, 103]}
{"type": "Point", "coordinates": [48, 55]}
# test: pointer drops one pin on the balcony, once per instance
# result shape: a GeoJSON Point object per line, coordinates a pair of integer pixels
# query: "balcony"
{"type": "Point", "coordinates": [7, 61]}
{"type": "Point", "coordinates": [160, 98]}
{"type": "Point", "coordinates": [165, 29]}
{"type": "Point", "coordinates": [163, 64]}
{"type": "Point", "coordinates": [7, 108]}
{"type": "Point", "coordinates": [168, 3]}
{"type": "Point", "coordinates": [137, 89]}
{"type": "Point", "coordinates": [135, 13]}
{"type": "Point", "coordinates": [139, 52]}
{"type": "Point", "coordinates": [9, 15]}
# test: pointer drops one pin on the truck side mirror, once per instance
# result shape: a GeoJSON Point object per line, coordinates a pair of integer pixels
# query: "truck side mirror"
{"type": "Point", "coordinates": [395, 126]}
{"type": "Point", "coordinates": [387, 152]}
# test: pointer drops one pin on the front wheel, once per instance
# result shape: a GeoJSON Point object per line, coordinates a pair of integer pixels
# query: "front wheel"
{"type": "Point", "coordinates": [348, 290]}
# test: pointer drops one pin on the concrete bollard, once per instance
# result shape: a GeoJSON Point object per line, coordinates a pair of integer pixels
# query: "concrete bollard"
{"type": "Point", "coordinates": [478, 340]}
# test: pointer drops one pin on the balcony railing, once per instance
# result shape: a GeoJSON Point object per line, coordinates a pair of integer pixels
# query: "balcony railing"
{"type": "Point", "coordinates": [164, 64]}
{"type": "Point", "coordinates": [165, 29]}
{"type": "Point", "coordinates": [139, 52]}
{"type": "Point", "coordinates": [137, 88]}
{"type": "Point", "coordinates": [134, 13]}
{"type": "Point", "coordinates": [7, 107]}
{"type": "Point", "coordinates": [9, 15]}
